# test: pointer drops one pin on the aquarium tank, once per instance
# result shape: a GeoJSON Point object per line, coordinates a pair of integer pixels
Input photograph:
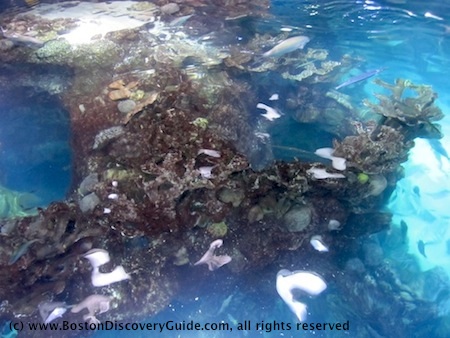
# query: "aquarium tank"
{"type": "Point", "coordinates": [224, 168]}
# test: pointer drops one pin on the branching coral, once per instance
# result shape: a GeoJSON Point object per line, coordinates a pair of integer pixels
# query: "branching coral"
{"type": "Point", "coordinates": [413, 115]}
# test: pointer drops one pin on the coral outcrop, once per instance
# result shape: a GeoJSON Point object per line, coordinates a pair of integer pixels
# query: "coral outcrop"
{"type": "Point", "coordinates": [158, 179]}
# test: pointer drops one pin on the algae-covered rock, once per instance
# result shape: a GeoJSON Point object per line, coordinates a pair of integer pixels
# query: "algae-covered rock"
{"type": "Point", "coordinates": [298, 218]}
{"type": "Point", "coordinates": [233, 196]}
{"type": "Point", "coordinates": [217, 230]}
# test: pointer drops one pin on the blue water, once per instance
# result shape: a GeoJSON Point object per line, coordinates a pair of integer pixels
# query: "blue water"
{"type": "Point", "coordinates": [412, 40]}
{"type": "Point", "coordinates": [35, 154]}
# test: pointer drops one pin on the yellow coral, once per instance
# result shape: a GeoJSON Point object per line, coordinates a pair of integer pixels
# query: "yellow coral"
{"type": "Point", "coordinates": [217, 230]}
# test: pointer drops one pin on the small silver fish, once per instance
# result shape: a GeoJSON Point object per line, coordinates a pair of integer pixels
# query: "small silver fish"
{"type": "Point", "coordinates": [287, 46]}
{"type": "Point", "coordinates": [23, 40]}
{"type": "Point", "coordinates": [360, 77]}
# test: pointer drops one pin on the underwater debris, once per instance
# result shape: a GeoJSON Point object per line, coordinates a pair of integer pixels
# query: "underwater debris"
{"type": "Point", "coordinates": [214, 262]}
{"type": "Point", "coordinates": [95, 304]}
{"type": "Point", "coordinates": [288, 281]}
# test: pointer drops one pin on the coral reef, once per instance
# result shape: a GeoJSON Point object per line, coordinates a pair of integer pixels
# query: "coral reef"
{"type": "Point", "coordinates": [157, 180]}
{"type": "Point", "coordinates": [414, 116]}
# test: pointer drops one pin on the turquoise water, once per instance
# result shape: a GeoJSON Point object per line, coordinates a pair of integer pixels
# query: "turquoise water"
{"type": "Point", "coordinates": [411, 40]}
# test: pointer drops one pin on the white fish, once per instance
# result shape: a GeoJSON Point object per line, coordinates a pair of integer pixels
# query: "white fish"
{"type": "Point", "coordinates": [318, 244]}
{"type": "Point", "coordinates": [49, 311]}
{"type": "Point", "coordinates": [309, 282]}
{"type": "Point", "coordinates": [56, 313]}
{"type": "Point", "coordinates": [321, 174]}
{"type": "Point", "coordinates": [206, 172]}
{"type": "Point", "coordinates": [102, 279]}
{"type": "Point", "coordinates": [338, 163]}
{"type": "Point", "coordinates": [262, 136]}
{"type": "Point", "coordinates": [97, 257]}
{"type": "Point", "coordinates": [214, 262]}
{"type": "Point", "coordinates": [274, 97]}
{"type": "Point", "coordinates": [209, 152]}
{"type": "Point", "coordinates": [334, 225]}
{"type": "Point", "coordinates": [113, 196]}
{"type": "Point", "coordinates": [270, 114]}
{"type": "Point", "coordinates": [287, 46]}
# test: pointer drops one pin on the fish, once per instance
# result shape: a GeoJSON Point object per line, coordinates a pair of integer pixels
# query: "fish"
{"type": "Point", "coordinates": [214, 262]}
{"type": "Point", "coordinates": [180, 21]}
{"type": "Point", "coordinates": [287, 46]}
{"type": "Point", "coordinates": [288, 281]}
{"type": "Point", "coordinates": [318, 243]}
{"type": "Point", "coordinates": [49, 311]}
{"type": "Point", "coordinates": [403, 230]}
{"type": "Point", "coordinates": [421, 248]}
{"type": "Point", "coordinates": [270, 114]}
{"type": "Point", "coordinates": [56, 313]}
{"type": "Point", "coordinates": [22, 250]}
{"type": "Point", "coordinates": [360, 77]}
{"type": "Point", "coordinates": [438, 150]}
{"type": "Point", "coordinates": [23, 40]}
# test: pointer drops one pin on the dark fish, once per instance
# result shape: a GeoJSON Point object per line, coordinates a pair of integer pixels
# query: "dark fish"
{"type": "Point", "coordinates": [22, 250]}
{"type": "Point", "coordinates": [360, 77]}
{"type": "Point", "coordinates": [421, 247]}
{"type": "Point", "coordinates": [438, 149]}
{"type": "Point", "coordinates": [403, 230]}
{"type": "Point", "coordinates": [416, 190]}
